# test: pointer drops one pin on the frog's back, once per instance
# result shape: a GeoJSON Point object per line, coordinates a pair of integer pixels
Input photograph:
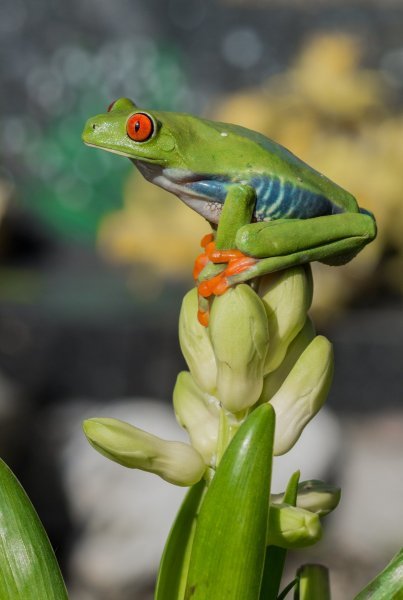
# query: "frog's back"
{"type": "Point", "coordinates": [286, 187]}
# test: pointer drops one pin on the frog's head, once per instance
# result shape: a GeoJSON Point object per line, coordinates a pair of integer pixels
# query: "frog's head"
{"type": "Point", "coordinates": [186, 155]}
{"type": "Point", "coordinates": [127, 130]}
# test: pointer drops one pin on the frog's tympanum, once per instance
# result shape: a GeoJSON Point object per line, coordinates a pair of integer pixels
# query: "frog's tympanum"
{"type": "Point", "coordinates": [270, 210]}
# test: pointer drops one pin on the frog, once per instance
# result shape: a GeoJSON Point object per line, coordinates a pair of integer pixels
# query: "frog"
{"type": "Point", "coordinates": [268, 209]}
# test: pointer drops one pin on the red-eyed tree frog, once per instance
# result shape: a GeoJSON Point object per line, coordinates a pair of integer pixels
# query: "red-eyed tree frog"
{"type": "Point", "coordinates": [268, 209]}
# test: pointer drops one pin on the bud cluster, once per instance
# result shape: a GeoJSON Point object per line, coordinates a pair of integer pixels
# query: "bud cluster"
{"type": "Point", "coordinates": [259, 346]}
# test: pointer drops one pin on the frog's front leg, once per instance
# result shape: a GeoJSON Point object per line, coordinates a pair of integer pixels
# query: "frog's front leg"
{"type": "Point", "coordinates": [220, 254]}
{"type": "Point", "coordinates": [280, 244]}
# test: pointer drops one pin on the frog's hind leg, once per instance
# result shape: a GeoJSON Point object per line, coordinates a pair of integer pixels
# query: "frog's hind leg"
{"type": "Point", "coordinates": [281, 244]}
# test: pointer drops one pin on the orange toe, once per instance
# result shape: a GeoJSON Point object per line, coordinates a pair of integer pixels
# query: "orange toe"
{"type": "Point", "coordinates": [238, 265]}
{"type": "Point", "coordinates": [221, 256]}
{"type": "Point", "coordinates": [206, 288]}
{"type": "Point", "coordinates": [203, 317]}
{"type": "Point", "coordinates": [206, 239]}
{"type": "Point", "coordinates": [200, 262]}
{"type": "Point", "coordinates": [221, 286]}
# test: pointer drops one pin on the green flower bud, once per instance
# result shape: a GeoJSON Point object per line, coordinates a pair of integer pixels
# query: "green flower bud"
{"type": "Point", "coordinates": [303, 393]}
{"type": "Point", "coordinates": [274, 380]}
{"type": "Point", "coordinates": [195, 344]}
{"type": "Point", "coordinates": [287, 296]}
{"type": "Point", "coordinates": [240, 337]}
{"type": "Point", "coordinates": [131, 447]}
{"type": "Point", "coordinates": [291, 527]}
{"type": "Point", "coordinates": [198, 413]}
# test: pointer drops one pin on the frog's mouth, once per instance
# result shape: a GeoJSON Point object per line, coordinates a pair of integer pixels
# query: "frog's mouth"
{"type": "Point", "coordinates": [202, 193]}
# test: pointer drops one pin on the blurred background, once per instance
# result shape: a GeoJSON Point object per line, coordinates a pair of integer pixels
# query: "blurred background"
{"type": "Point", "coordinates": [94, 261]}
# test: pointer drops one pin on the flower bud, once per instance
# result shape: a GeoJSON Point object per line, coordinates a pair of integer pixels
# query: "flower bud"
{"type": "Point", "coordinates": [131, 447]}
{"type": "Point", "coordinates": [198, 413]}
{"type": "Point", "coordinates": [303, 393]}
{"type": "Point", "coordinates": [273, 381]}
{"type": "Point", "coordinates": [318, 497]}
{"type": "Point", "coordinates": [239, 336]}
{"type": "Point", "coordinates": [287, 296]}
{"type": "Point", "coordinates": [195, 344]}
{"type": "Point", "coordinates": [291, 527]}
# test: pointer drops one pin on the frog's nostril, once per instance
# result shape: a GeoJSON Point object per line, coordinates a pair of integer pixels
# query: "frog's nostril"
{"type": "Point", "coordinates": [94, 126]}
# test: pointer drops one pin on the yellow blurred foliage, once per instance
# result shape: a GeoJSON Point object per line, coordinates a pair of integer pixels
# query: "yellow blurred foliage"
{"type": "Point", "coordinates": [336, 116]}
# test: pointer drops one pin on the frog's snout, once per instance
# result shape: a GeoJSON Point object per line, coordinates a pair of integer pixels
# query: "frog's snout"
{"type": "Point", "coordinates": [89, 129]}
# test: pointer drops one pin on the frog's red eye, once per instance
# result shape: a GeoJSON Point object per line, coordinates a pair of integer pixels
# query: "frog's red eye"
{"type": "Point", "coordinates": [111, 106]}
{"type": "Point", "coordinates": [139, 127]}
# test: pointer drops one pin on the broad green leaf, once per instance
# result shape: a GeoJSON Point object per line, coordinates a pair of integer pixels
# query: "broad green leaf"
{"type": "Point", "coordinates": [230, 539]}
{"type": "Point", "coordinates": [28, 566]}
{"type": "Point", "coordinates": [313, 583]}
{"type": "Point", "coordinates": [388, 585]}
{"type": "Point", "coordinates": [275, 556]}
{"type": "Point", "coordinates": [175, 559]}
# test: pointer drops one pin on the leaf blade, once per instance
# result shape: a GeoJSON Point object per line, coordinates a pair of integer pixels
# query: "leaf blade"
{"type": "Point", "coordinates": [174, 563]}
{"type": "Point", "coordinates": [28, 566]}
{"type": "Point", "coordinates": [228, 554]}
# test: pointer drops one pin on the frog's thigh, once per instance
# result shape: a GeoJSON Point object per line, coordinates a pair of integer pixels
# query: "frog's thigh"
{"type": "Point", "coordinates": [305, 240]}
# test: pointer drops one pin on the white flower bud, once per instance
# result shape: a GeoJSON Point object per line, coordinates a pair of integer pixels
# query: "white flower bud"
{"type": "Point", "coordinates": [239, 336]}
{"type": "Point", "coordinates": [287, 295]}
{"type": "Point", "coordinates": [131, 447]}
{"type": "Point", "coordinates": [274, 380]}
{"type": "Point", "coordinates": [195, 344]}
{"type": "Point", "coordinates": [303, 393]}
{"type": "Point", "coordinates": [198, 413]}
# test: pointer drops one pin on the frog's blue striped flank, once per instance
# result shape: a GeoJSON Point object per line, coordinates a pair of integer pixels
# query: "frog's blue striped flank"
{"type": "Point", "coordinates": [275, 197]}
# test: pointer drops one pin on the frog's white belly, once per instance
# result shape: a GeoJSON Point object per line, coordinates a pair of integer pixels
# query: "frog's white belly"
{"type": "Point", "coordinates": [175, 181]}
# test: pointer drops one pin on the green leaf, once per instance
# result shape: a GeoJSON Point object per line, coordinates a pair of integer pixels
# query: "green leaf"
{"type": "Point", "coordinates": [28, 566]}
{"type": "Point", "coordinates": [387, 585]}
{"type": "Point", "coordinates": [313, 583]}
{"type": "Point", "coordinates": [230, 539]}
{"type": "Point", "coordinates": [275, 556]}
{"type": "Point", "coordinates": [175, 559]}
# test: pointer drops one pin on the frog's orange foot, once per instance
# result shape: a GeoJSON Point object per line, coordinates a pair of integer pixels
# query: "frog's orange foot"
{"type": "Point", "coordinates": [219, 284]}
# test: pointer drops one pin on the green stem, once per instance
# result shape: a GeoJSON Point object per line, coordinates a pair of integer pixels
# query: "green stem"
{"type": "Point", "coordinates": [313, 583]}
{"type": "Point", "coordinates": [228, 426]}
{"type": "Point", "coordinates": [275, 556]}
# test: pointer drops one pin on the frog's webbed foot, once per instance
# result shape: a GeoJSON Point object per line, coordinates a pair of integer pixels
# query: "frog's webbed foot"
{"type": "Point", "coordinates": [215, 271]}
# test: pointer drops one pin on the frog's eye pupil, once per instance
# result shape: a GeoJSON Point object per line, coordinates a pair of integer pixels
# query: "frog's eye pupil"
{"type": "Point", "coordinates": [139, 127]}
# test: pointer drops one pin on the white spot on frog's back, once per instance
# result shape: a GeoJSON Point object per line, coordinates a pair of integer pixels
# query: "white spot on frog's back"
{"type": "Point", "coordinates": [224, 134]}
